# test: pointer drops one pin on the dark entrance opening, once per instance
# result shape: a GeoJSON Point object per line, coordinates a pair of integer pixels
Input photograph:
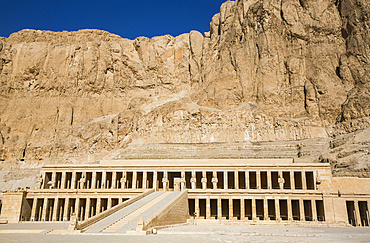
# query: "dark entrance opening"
{"type": "Point", "coordinates": [252, 180]}
{"type": "Point", "coordinates": [159, 178]}
{"type": "Point", "coordinates": [149, 177]}
{"type": "Point", "coordinates": [39, 209]}
{"type": "Point", "coordinates": [68, 180]}
{"type": "Point", "coordinates": [220, 177]}
{"type": "Point", "coordinates": [225, 208]}
{"type": "Point", "coordinates": [241, 177]}
{"type": "Point", "coordinates": [108, 181]}
{"type": "Point", "coordinates": [264, 184]}
{"type": "Point", "coordinates": [199, 180]}
{"type": "Point", "coordinates": [187, 180]}
{"type": "Point", "coordinates": [202, 208]}
{"type": "Point", "coordinates": [351, 213]}
{"type": "Point", "coordinates": [236, 208]}
{"type": "Point", "coordinates": [191, 203]}
{"type": "Point", "coordinates": [209, 180]}
{"type": "Point", "coordinates": [231, 180]}
{"type": "Point", "coordinates": [295, 210]}
{"type": "Point", "coordinates": [307, 210]}
{"type": "Point", "coordinates": [320, 210]}
{"type": "Point", "coordinates": [93, 202]}
{"type": "Point", "coordinates": [60, 209]}
{"type": "Point", "coordinates": [213, 208]}
{"type": "Point", "coordinates": [27, 209]}
{"type": "Point", "coordinates": [271, 209]}
{"type": "Point", "coordinates": [310, 180]}
{"type": "Point", "coordinates": [286, 176]}
{"type": "Point", "coordinates": [298, 180]}
{"type": "Point", "coordinates": [283, 209]}
{"type": "Point", "coordinates": [260, 209]}
{"type": "Point", "coordinates": [99, 177]}
{"type": "Point", "coordinates": [364, 213]}
{"type": "Point", "coordinates": [248, 208]}
{"type": "Point", "coordinates": [275, 180]}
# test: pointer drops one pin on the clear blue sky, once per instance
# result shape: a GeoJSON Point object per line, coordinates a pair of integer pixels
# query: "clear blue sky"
{"type": "Point", "coordinates": [128, 19]}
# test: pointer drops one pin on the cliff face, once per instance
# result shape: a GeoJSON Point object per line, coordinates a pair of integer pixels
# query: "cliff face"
{"type": "Point", "coordinates": [281, 70]}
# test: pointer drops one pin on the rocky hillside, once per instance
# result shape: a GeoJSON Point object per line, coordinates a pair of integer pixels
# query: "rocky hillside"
{"type": "Point", "coordinates": [268, 71]}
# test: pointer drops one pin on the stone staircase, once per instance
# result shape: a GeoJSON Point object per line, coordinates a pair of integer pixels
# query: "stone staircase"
{"type": "Point", "coordinates": [126, 219]}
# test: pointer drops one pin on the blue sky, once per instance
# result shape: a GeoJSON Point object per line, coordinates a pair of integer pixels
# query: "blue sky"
{"type": "Point", "coordinates": [128, 19]}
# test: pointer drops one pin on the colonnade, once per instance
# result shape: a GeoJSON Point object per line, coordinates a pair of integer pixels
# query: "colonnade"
{"type": "Point", "coordinates": [195, 179]}
{"type": "Point", "coordinates": [61, 209]}
{"type": "Point", "coordinates": [257, 208]}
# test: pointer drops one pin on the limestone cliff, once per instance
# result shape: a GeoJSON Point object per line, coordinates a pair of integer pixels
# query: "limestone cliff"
{"type": "Point", "coordinates": [279, 71]}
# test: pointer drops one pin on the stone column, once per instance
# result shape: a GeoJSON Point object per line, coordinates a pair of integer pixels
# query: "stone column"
{"type": "Point", "coordinates": [193, 180]}
{"type": "Point", "coordinates": [155, 178]}
{"type": "Point", "coordinates": [265, 209]}
{"type": "Point", "coordinates": [77, 209]}
{"type": "Point", "coordinates": [242, 209]}
{"type": "Point", "coordinates": [258, 178]}
{"type": "Point", "coordinates": [277, 210]}
{"type": "Point", "coordinates": [225, 180]}
{"type": "Point", "coordinates": [236, 178]}
{"type": "Point", "coordinates": [314, 213]}
{"type": "Point", "coordinates": [247, 180]}
{"type": "Point", "coordinates": [145, 180]}
{"type": "Point", "coordinates": [208, 208]}
{"type": "Point", "coordinates": [301, 209]}
{"type": "Point", "coordinates": [197, 207]}
{"type": "Point", "coordinates": [73, 180]}
{"type": "Point", "coordinates": [103, 180]}
{"type": "Point", "coordinates": [219, 208]}
{"type": "Point", "coordinates": [134, 179]}
{"type": "Point", "coordinates": [93, 180]}
{"type": "Point", "coordinates": [165, 176]}
{"type": "Point", "coordinates": [292, 184]}
{"type": "Point", "coordinates": [55, 209]}
{"type": "Point", "coordinates": [269, 180]}
{"type": "Point", "coordinates": [44, 209]}
{"type": "Point", "coordinates": [87, 209]}
{"type": "Point", "coordinates": [114, 180]}
{"type": "Point", "coordinates": [66, 206]}
{"type": "Point", "coordinates": [33, 211]}
{"type": "Point", "coordinates": [98, 204]}
{"type": "Point", "coordinates": [204, 180]}
{"type": "Point", "coordinates": [281, 180]}
{"type": "Point", "coordinates": [304, 183]}
{"type": "Point", "coordinates": [358, 216]}
{"type": "Point", "coordinates": [63, 180]}
{"type": "Point", "coordinates": [290, 211]}
{"type": "Point", "coordinates": [231, 208]}
{"type": "Point", "coordinates": [214, 182]}
{"type": "Point", "coordinates": [109, 203]}
{"type": "Point", "coordinates": [183, 181]}
{"type": "Point", "coordinates": [53, 180]}
{"type": "Point", "coordinates": [165, 183]}
{"type": "Point", "coordinates": [254, 211]}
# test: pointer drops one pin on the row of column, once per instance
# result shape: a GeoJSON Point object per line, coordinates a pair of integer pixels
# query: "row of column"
{"type": "Point", "coordinates": [188, 179]}
{"type": "Point", "coordinates": [257, 209]}
{"type": "Point", "coordinates": [358, 213]}
{"type": "Point", "coordinates": [61, 209]}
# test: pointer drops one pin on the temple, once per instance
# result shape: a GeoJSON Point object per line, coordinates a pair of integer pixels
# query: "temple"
{"type": "Point", "coordinates": [171, 191]}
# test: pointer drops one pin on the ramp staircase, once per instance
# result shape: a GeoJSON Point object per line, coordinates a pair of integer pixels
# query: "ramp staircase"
{"type": "Point", "coordinates": [126, 219]}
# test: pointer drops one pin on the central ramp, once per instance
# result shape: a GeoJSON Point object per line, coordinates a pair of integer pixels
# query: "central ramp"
{"type": "Point", "coordinates": [126, 219]}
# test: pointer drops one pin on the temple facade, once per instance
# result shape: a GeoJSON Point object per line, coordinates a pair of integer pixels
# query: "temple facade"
{"type": "Point", "coordinates": [255, 190]}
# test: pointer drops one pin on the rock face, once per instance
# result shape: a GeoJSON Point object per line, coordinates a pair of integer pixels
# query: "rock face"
{"type": "Point", "coordinates": [276, 70]}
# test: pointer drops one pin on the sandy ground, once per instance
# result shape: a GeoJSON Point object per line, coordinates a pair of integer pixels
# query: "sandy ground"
{"type": "Point", "coordinates": [42, 232]}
